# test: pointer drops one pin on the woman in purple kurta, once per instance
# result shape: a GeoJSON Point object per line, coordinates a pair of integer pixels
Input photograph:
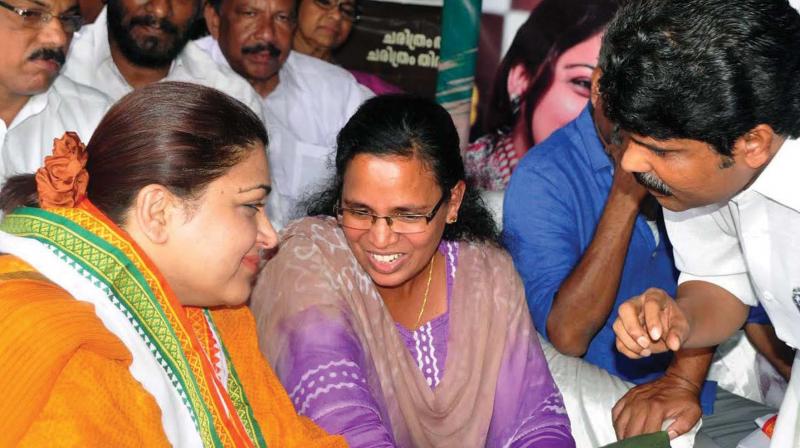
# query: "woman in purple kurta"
{"type": "Point", "coordinates": [346, 319]}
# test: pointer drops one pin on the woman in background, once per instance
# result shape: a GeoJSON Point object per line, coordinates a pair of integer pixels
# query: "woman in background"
{"type": "Point", "coordinates": [323, 26]}
{"type": "Point", "coordinates": [542, 84]}
{"type": "Point", "coordinates": [125, 269]}
{"type": "Point", "coordinates": [392, 316]}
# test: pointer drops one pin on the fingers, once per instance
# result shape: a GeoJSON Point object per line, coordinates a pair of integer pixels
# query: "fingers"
{"type": "Point", "coordinates": [628, 327]}
{"type": "Point", "coordinates": [655, 317]}
{"type": "Point", "coordinates": [633, 420]}
{"type": "Point", "coordinates": [684, 421]}
{"type": "Point", "coordinates": [625, 343]}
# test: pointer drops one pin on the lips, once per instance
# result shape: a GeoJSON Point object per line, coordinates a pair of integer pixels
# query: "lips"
{"type": "Point", "coordinates": [386, 263]}
{"type": "Point", "coordinates": [251, 262]}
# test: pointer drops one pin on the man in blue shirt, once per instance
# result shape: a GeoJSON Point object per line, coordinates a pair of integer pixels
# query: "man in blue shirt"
{"type": "Point", "coordinates": [585, 237]}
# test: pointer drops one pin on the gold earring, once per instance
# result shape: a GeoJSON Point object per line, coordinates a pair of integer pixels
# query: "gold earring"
{"type": "Point", "coordinates": [452, 221]}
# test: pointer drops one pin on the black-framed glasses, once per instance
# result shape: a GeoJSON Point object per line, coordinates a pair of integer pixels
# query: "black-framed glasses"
{"type": "Point", "coordinates": [36, 18]}
{"type": "Point", "coordinates": [347, 8]}
{"type": "Point", "coordinates": [359, 219]}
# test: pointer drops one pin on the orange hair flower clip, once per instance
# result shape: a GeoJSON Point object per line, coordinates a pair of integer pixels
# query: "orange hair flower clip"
{"type": "Point", "coordinates": [62, 181]}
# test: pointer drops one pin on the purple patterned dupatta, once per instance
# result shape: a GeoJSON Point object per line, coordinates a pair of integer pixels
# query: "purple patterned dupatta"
{"type": "Point", "coordinates": [323, 327]}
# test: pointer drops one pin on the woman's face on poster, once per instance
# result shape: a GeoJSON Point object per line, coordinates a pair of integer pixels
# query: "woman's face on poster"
{"type": "Point", "coordinates": [567, 95]}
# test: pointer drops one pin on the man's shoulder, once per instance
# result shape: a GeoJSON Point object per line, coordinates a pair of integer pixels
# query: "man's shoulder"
{"type": "Point", "coordinates": [199, 67]}
{"type": "Point", "coordinates": [72, 93]}
{"type": "Point", "coordinates": [556, 157]}
{"type": "Point", "coordinates": [318, 76]}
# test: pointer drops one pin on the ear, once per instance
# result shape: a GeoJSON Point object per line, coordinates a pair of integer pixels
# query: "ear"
{"type": "Point", "coordinates": [212, 20]}
{"type": "Point", "coordinates": [757, 146]}
{"type": "Point", "coordinates": [595, 93]}
{"type": "Point", "coordinates": [518, 81]}
{"type": "Point", "coordinates": [454, 205]}
{"type": "Point", "coordinates": [153, 210]}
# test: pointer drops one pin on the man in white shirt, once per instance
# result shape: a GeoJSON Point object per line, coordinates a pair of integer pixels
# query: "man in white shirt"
{"type": "Point", "coordinates": [306, 100]}
{"type": "Point", "coordinates": [36, 104]}
{"type": "Point", "coordinates": [707, 94]}
{"type": "Point", "coordinates": [133, 43]}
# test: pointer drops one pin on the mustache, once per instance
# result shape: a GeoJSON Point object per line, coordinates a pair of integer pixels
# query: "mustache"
{"type": "Point", "coordinates": [652, 182]}
{"type": "Point", "coordinates": [46, 54]}
{"type": "Point", "coordinates": [148, 20]}
{"type": "Point", "coordinates": [261, 47]}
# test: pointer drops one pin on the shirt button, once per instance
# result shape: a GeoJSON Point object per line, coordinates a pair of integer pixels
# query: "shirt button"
{"type": "Point", "coordinates": [654, 255]}
{"type": "Point", "coordinates": [768, 297]}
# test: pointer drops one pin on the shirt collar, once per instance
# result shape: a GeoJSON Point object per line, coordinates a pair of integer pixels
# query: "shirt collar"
{"type": "Point", "coordinates": [590, 141]}
{"type": "Point", "coordinates": [780, 180]}
{"type": "Point", "coordinates": [34, 106]}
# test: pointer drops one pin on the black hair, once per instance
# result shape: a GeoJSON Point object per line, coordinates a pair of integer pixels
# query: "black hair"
{"type": "Point", "coordinates": [217, 4]}
{"type": "Point", "coordinates": [409, 126]}
{"type": "Point", "coordinates": [708, 70]}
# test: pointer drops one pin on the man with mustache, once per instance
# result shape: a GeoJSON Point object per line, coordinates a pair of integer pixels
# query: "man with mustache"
{"type": "Point", "coordinates": [716, 121]}
{"type": "Point", "coordinates": [36, 104]}
{"type": "Point", "coordinates": [133, 43]}
{"type": "Point", "coordinates": [306, 100]}
{"type": "Point", "coordinates": [585, 237]}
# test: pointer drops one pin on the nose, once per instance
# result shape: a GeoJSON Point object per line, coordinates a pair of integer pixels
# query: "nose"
{"type": "Point", "coordinates": [52, 35]}
{"type": "Point", "coordinates": [381, 235]}
{"type": "Point", "coordinates": [266, 28]}
{"type": "Point", "coordinates": [635, 158]}
{"type": "Point", "coordinates": [336, 12]}
{"type": "Point", "coordinates": [267, 237]}
{"type": "Point", "coordinates": [159, 8]}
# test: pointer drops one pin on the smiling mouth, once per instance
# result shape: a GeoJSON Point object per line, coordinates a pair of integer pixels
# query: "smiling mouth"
{"type": "Point", "coordinates": [389, 258]}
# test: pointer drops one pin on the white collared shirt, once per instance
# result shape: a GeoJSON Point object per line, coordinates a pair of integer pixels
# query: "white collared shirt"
{"type": "Point", "coordinates": [312, 102]}
{"type": "Point", "coordinates": [65, 106]}
{"type": "Point", "coordinates": [751, 247]}
{"type": "Point", "coordinates": [90, 63]}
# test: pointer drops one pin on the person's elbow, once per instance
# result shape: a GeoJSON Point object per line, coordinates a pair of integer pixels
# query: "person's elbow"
{"type": "Point", "coordinates": [566, 340]}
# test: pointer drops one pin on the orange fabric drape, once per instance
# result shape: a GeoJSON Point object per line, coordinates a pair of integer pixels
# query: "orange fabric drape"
{"type": "Point", "coordinates": [65, 378]}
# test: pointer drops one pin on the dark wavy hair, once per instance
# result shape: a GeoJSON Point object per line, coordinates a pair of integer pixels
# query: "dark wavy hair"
{"type": "Point", "coordinates": [708, 70]}
{"type": "Point", "coordinates": [552, 28]}
{"type": "Point", "coordinates": [179, 135]}
{"type": "Point", "coordinates": [409, 126]}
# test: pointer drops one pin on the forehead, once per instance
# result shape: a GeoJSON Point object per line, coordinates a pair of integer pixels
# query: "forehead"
{"type": "Point", "coordinates": [584, 53]}
{"type": "Point", "coordinates": [275, 5]}
{"type": "Point", "coordinates": [51, 5]}
{"type": "Point", "coordinates": [388, 177]}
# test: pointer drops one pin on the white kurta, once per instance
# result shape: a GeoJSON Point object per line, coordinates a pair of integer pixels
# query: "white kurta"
{"type": "Point", "coordinates": [303, 115]}
{"type": "Point", "coordinates": [750, 246]}
{"type": "Point", "coordinates": [65, 106]}
{"type": "Point", "coordinates": [90, 63]}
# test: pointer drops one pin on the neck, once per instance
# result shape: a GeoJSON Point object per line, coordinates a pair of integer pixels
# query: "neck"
{"type": "Point", "coordinates": [265, 86]}
{"type": "Point", "coordinates": [10, 105]}
{"type": "Point", "coordinates": [135, 75]}
{"type": "Point", "coordinates": [520, 135]}
{"type": "Point", "coordinates": [304, 46]}
{"type": "Point", "coordinates": [411, 291]}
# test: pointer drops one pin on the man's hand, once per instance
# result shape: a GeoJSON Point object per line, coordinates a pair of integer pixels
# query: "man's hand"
{"type": "Point", "coordinates": [624, 183]}
{"type": "Point", "coordinates": [650, 323]}
{"type": "Point", "coordinates": [645, 407]}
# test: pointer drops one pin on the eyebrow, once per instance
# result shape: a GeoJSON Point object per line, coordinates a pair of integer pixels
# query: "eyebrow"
{"type": "Point", "coordinates": [651, 147]}
{"type": "Point", "coordinates": [267, 189]}
{"type": "Point", "coordinates": [589, 66]}
{"type": "Point", "coordinates": [402, 209]}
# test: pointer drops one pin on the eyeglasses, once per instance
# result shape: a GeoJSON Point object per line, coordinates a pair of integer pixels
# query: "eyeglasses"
{"type": "Point", "coordinates": [358, 219]}
{"type": "Point", "coordinates": [36, 18]}
{"type": "Point", "coordinates": [348, 9]}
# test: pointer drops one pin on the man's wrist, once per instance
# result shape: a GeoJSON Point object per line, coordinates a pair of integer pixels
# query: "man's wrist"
{"type": "Point", "coordinates": [684, 381]}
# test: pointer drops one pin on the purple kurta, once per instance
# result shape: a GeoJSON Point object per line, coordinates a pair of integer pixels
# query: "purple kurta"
{"type": "Point", "coordinates": [327, 383]}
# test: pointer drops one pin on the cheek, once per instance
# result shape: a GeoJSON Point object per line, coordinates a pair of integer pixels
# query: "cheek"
{"type": "Point", "coordinates": [557, 107]}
